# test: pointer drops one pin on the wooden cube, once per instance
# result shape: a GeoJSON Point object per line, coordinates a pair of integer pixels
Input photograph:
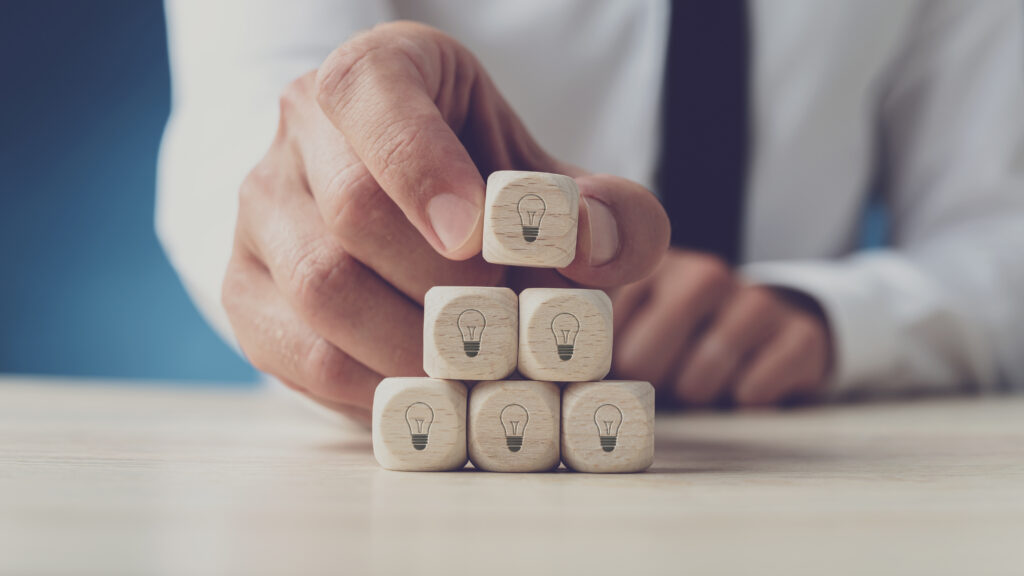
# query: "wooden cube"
{"type": "Point", "coordinates": [608, 426]}
{"type": "Point", "coordinates": [470, 333]}
{"type": "Point", "coordinates": [530, 219]}
{"type": "Point", "coordinates": [513, 426]}
{"type": "Point", "coordinates": [419, 424]}
{"type": "Point", "coordinates": [565, 335]}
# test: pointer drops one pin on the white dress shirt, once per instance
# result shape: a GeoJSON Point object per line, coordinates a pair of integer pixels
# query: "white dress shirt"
{"type": "Point", "coordinates": [925, 99]}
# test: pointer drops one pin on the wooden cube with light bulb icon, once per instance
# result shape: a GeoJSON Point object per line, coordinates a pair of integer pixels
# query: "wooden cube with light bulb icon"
{"type": "Point", "coordinates": [513, 426]}
{"type": "Point", "coordinates": [470, 333]}
{"type": "Point", "coordinates": [530, 219]}
{"type": "Point", "coordinates": [419, 424]}
{"type": "Point", "coordinates": [565, 335]}
{"type": "Point", "coordinates": [608, 426]}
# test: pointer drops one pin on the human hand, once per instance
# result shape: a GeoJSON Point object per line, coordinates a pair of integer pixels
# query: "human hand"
{"type": "Point", "coordinates": [701, 335]}
{"type": "Point", "coordinates": [372, 193]}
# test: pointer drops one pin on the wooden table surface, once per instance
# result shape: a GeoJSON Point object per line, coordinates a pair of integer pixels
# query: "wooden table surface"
{"type": "Point", "coordinates": [105, 478]}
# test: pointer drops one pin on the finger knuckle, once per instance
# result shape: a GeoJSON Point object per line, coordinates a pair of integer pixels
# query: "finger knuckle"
{"type": "Point", "coordinates": [396, 144]}
{"type": "Point", "coordinates": [257, 182]}
{"type": "Point", "coordinates": [757, 299]}
{"type": "Point", "coordinates": [295, 96]}
{"type": "Point", "coordinates": [318, 274]}
{"type": "Point", "coordinates": [803, 333]}
{"type": "Point", "coordinates": [715, 354]}
{"type": "Point", "coordinates": [257, 179]}
{"type": "Point", "coordinates": [679, 306]}
{"type": "Point", "coordinates": [297, 92]}
{"type": "Point", "coordinates": [357, 206]}
{"type": "Point", "coordinates": [340, 72]}
{"type": "Point", "coordinates": [713, 273]}
{"type": "Point", "coordinates": [326, 366]}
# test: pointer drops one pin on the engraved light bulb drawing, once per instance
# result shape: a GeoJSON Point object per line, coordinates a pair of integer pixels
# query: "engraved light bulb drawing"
{"type": "Point", "coordinates": [608, 418]}
{"type": "Point", "coordinates": [471, 325]}
{"type": "Point", "coordinates": [565, 328]}
{"type": "Point", "coordinates": [419, 416]}
{"type": "Point", "coordinates": [513, 419]}
{"type": "Point", "coordinates": [531, 210]}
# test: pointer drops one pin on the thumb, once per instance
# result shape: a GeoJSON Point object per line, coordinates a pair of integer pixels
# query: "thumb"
{"type": "Point", "coordinates": [623, 232]}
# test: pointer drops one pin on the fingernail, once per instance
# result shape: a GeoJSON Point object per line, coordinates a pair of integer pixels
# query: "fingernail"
{"type": "Point", "coordinates": [453, 219]}
{"type": "Point", "coordinates": [604, 232]}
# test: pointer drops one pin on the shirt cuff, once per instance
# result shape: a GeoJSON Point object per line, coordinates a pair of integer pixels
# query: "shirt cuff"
{"type": "Point", "coordinates": [863, 337]}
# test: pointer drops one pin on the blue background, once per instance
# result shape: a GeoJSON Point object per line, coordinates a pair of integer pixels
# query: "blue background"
{"type": "Point", "coordinates": [84, 286]}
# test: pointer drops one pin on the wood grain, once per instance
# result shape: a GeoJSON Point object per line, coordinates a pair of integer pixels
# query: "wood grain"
{"type": "Point", "coordinates": [530, 219]}
{"type": "Point", "coordinates": [608, 426]}
{"type": "Point", "coordinates": [470, 333]}
{"type": "Point", "coordinates": [565, 335]}
{"type": "Point", "coordinates": [130, 478]}
{"type": "Point", "coordinates": [513, 426]}
{"type": "Point", "coordinates": [419, 424]}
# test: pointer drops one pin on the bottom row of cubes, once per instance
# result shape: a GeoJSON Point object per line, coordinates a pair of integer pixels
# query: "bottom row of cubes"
{"type": "Point", "coordinates": [431, 424]}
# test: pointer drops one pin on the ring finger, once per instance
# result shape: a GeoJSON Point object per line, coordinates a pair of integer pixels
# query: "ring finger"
{"type": "Point", "coordinates": [277, 342]}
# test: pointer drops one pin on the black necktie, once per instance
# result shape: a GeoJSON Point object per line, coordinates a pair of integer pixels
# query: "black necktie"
{"type": "Point", "coordinates": [704, 140]}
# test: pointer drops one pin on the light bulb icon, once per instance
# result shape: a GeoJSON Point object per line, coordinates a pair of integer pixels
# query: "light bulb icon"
{"type": "Point", "coordinates": [608, 418]}
{"type": "Point", "coordinates": [531, 210]}
{"type": "Point", "coordinates": [565, 327]}
{"type": "Point", "coordinates": [419, 416]}
{"type": "Point", "coordinates": [471, 325]}
{"type": "Point", "coordinates": [513, 419]}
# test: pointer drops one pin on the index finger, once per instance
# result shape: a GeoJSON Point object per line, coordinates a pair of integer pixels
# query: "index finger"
{"type": "Point", "coordinates": [381, 90]}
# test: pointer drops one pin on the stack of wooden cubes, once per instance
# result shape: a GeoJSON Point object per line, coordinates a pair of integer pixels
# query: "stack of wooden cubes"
{"type": "Point", "coordinates": [559, 341]}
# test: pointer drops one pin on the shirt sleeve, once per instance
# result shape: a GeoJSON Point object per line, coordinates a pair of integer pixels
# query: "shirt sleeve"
{"type": "Point", "coordinates": [943, 306]}
{"type": "Point", "coordinates": [230, 61]}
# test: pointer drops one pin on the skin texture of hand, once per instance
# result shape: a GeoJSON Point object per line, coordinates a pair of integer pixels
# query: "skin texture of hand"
{"type": "Point", "coordinates": [372, 192]}
{"type": "Point", "coordinates": [702, 336]}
